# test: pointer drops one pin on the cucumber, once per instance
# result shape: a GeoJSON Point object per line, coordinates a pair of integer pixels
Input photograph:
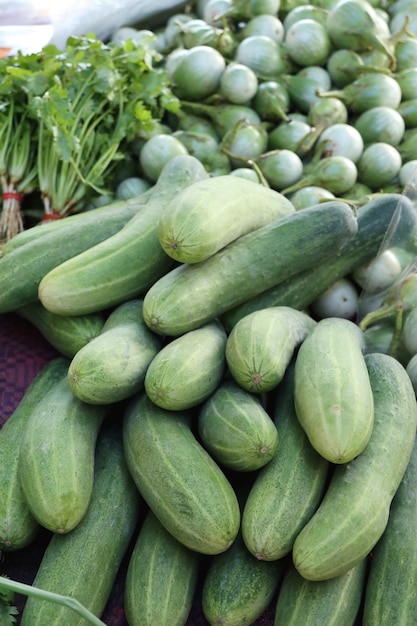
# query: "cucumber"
{"type": "Point", "coordinates": [18, 527]}
{"type": "Point", "coordinates": [314, 603]}
{"type": "Point", "coordinates": [161, 578]}
{"type": "Point", "coordinates": [67, 334]}
{"type": "Point", "coordinates": [23, 267]}
{"type": "Point", "coordinates": [211, 213]}
{"type": "Point", "coordinates": [390, 594]}
{"type": "Point", "coordinates": [261, 345]}
{"type": "Point", "coordinates": [197, 357]}
{"type": "Point", "coordinates": [238, 588]}
{"type": "Point", "coordinates": [183, 486]}
{"type": "Point", "coordinates": [381, 217]}
{"type": "Point", "coordinates": [56, 457]}
{"type": "Point", "coordinates": [354, 511]}
{"type": "Point", "coordinates": [79, 220]}
{"type": "Point", "coordinates": [285, 493]}
{"type": "Point", "coordinates": [246, 267]}
{"type": "Point", "coordinates": [332, 393]}
{"type": "Point", "coordinates": [236, 429]}
{"type": "Point", "coordinates": [84, 563]}
{"type": "Point", "coordinates": [112, 366]}
{"type": "Point", "coordinates": [125, 265]}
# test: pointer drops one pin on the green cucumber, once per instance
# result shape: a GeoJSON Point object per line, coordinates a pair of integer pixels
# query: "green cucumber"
{"type": "Point", "coordinates": [125, 265]}
{"type": "Point", "coordinates": [85, 219]}
{"type": "Point", "coordinates": [18, 526]}
{"type": "Point", "coordinates": [197, 357]}
{"type": "Point", "coordinates": [22, 269]}
{"type": "Point", "coordinates": [391, 594]}
{"type": "Point", "coordinates": [211, 213]}
{"type": "Point", "coordinates": [354, 511]}
{"type": "Point", "coordinates": [333, 395]}
{"type": "Point", "coordinates": [285, 493]}
{"type": "Point", "coordinates": [180, 481]}
{"type": "Point", "coordinates": [66, 333]}
{"type": "Point", "coordinates": [112, 366]}
{"type": "Point", "coordinates": [56, 457]}
{"type": "Point", "coordinates": [246, 267]}
{"type": "Point", "coordinates": [84, 563]}
{"type": "Point", "coordinates": [161, 578]}
{"type": "Point", "coordinates": [315, 603]}
{"type": "Point", "coordinates": [238, 588]}
{"type": "Point", "coordinates": [379, 218]}
{"type": "Point", "coordinates": [261, 345]}
{"type": "Point", "coordinates": [236, 429]}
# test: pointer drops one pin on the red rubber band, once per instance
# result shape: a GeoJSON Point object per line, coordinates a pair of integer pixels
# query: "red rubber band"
{"type": "Point", "coordinates": [12, 195]}
{"type": "Point", "coordinates": [48, 217]}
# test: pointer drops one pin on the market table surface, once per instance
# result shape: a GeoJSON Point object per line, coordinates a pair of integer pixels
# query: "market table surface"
{"type": "Point", "coordinates": [23, 353]}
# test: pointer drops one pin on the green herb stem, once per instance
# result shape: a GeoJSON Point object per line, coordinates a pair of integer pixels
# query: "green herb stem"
{"type": "Point", "coordinates": [42, 594]}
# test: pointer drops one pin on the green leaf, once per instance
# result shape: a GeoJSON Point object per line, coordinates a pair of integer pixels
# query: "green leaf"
{"type": "Point", "coordinates": [7, 610]}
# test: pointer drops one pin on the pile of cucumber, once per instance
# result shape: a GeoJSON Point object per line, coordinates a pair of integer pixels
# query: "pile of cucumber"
{"type": "Point", "coordinates": [234, 405]}
{"type": "Point", "coordinates": [201, 412]}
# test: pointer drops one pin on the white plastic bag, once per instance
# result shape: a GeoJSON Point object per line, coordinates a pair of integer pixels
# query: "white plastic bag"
{"type": "Point", "coordinates": [103, 17]}
{"type": "Point", "coordinates": [28, 25]}
{"type": "Point", "coordinates": [24, 26]}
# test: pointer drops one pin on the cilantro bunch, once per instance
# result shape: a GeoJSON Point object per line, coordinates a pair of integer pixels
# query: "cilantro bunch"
{"type": "Point", "coordinates": [67, 116]}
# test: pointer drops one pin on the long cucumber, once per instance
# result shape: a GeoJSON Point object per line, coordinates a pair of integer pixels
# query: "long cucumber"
{"type": "Point", "coordinates": [56, 457]}
{"type": "Point", "coordinates": [84, 563]}
{"type": "Point", "coordinates": [24, 266]}
{"type": "Point", "coordinates": [180, 481]}
{"type": "Point", "coordinates": [376, 220]}
{"type": "Point", "coordinates": [354, 511]}
{"type": "Point", "coordinates": [18, 526]}
{"type": "Point", "coordinates": [317, 602]}
{"type": "Point", "coordinates": [112, 366]}
{"type": "Point", "coordinates": [238, 588]}
{"type": "Point", "coordinates": [333, 397]}
{"type": "Point", "coordinates": [197, 357]}
{"type": "Point", "coordinates": [190, 295]}
{"type": "Point", "coordinates": [66, 333]}
{"type": "Point", "coordinates": [208, 215]}
{"type": "Point", "coordinates": [161, 578]}
{"type": "Point", "coordinates": [123, 266]}
{"type": "Point", "coordinates": [261, 345]}
{"type": "Point", "coordinates": [390, 594]}
{"type": "Point", "coordinates": [286, 493]}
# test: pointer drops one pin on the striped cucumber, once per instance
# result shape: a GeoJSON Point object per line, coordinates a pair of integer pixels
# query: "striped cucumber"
{"type": "Point", "coordinates": [261, 345]}
{"type": "Point", "coordinates": [125, 265]}
{"type": "Point", "coordinates": [56, 457]}
{"type": "Point", "coordinates": [246, 267]}
{"type": "Point", "coordinates": [84, 563]}
{"type": "Point", "coordinates": [391, 594]}
{"type": "Point", "coordinates": [332, 394]}
{"type": "Point", "coordinates": [238, 588]}
{"type": "Point", "coordinates": [76, 220]}
{"type": "Point", "coordinates": [18, 526]}
{"type": "Point", "coordinates": [112, 366]}
{"type": "Point", "coordinates": [23, 267]}
{"type": "Point", "coordinates": [66, 333]}
{"type": "Point", "coordinates": [354, 511]}
{"type": "Point", "coordinates": [211, 213]}
{"type": "Point", "coordinates": [286, 493]}
{"type": "Point", "coordinates": [390, 215]}
{"type": "Point", "coordinates": [315, 603]}
{"type": "Point", "coordinates": [161, 578]}
{"type": "Point", "coordinates": [182, 484]}
{"type": "Point", "coordinates": [236, 429]}
{"type": "Point", "coordinates": [197, 358]}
